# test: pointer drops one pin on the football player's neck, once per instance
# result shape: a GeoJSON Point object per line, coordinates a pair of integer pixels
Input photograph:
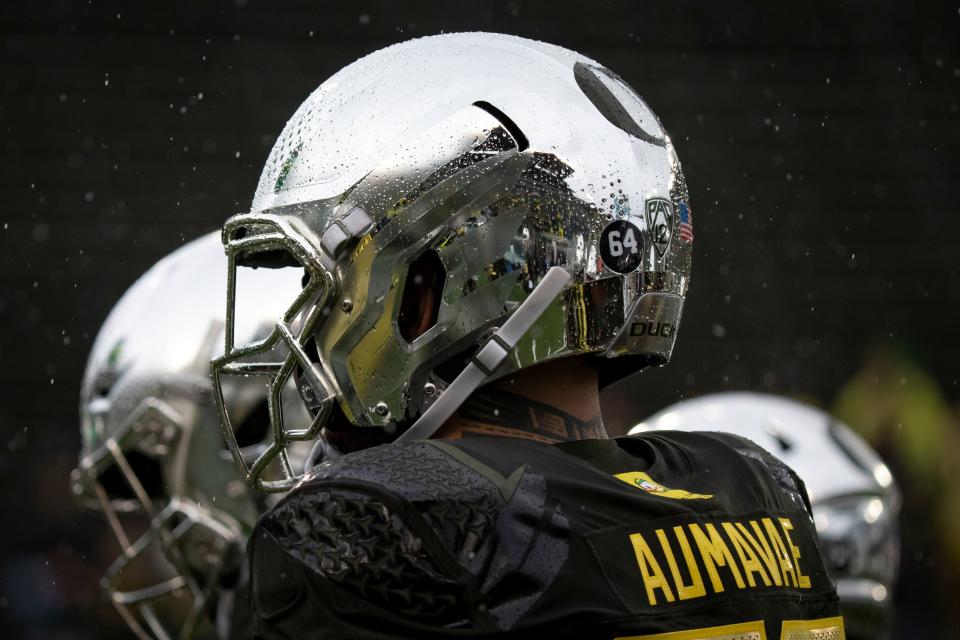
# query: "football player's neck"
{"type": "Point", "coordinates": [552, 402]}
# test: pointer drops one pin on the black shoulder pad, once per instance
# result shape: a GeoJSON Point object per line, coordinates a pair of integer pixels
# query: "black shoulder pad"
{"type": "Point", "coordinates": [418, 470]}
{"type": "Point", "coordinates": [459, 501]}
{"type": "Point", "coordinates": [364, 543]}
{"type": "Point", "coordinates": [469, 519]}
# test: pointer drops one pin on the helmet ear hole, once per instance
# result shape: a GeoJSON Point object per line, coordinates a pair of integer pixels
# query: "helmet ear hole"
{"type": "Point", "coordinates": [422, 293]}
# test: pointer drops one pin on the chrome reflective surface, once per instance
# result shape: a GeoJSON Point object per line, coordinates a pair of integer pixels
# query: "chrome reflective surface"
{"type": "Point", "coordinates": [153, 459]}
{"type": "Point", "coordinates": [503, 156]}
{"type": "Point", "coordinates": [855, 500]}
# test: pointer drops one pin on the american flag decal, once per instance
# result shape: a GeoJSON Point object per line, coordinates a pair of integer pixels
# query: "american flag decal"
{"type": "Point", "coordinates": [686, 223]}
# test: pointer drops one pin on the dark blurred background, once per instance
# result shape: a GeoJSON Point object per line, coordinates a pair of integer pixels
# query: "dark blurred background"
{"type": "Point", "coordinates": [820, 144]}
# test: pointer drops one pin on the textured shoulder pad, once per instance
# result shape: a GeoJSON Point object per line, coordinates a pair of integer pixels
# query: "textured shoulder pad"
{"type": "Point", "coordinates": [366, 545]}
{"type": "Point", "coordinates": [458, 502]}
{"type": "Point", "coordinates": [451, 518]}
{"type": "Point", "coordinates": [415, 470]}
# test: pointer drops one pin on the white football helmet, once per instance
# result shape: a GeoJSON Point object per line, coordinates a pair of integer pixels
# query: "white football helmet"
{"type": "Point", "coordinates": [153, 457]}
{"type": "Point", "coordinates": [855, 500]}
{"type": "Point", "coordinates": [464, 206]}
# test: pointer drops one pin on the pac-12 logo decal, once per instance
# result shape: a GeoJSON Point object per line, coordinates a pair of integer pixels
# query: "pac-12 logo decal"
{"type": "Point", "coordinates": [659, 214]}
{"type": "Point", "coordinates": [621, 246]}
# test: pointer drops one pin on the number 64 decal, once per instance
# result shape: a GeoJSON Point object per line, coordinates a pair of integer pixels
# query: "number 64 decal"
{"type": "Point", "coordinates": [621, 246]}
{"type": "Point", "coordinates": [628, 242]}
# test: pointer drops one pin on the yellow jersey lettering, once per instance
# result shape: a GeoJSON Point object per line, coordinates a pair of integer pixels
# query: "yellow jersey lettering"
{"type": "Point", "coordinates": [786, 563]}
{"type": "Point", "coordinates": [762, 547]}
{"type": "Point", "coordinates": [748, 559]}
{"type": "Point", "coordinates": [653, 576]}
{"type": "Point", "coordinates": [715, 553]}
{"type": "Point", "coordinates": [684, 591]}
{"type": "Point", "coordinates": [795, 552]}
{"type": "Point", "coordinates": [672, 571]}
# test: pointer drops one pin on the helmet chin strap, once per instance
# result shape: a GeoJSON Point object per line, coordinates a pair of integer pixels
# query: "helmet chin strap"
{"type": "Point", "coordinates": [490, 356]}
{"type": "Point", "coordinates": [321, 452]}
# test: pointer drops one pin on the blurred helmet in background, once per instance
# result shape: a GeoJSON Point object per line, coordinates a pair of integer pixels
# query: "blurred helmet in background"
{"type": "Point", "coordinates": [855, 501]}
{"type": "Point", "coordinates": [153, 458]}
{"type": "Point", "coordinates": [465, 206]}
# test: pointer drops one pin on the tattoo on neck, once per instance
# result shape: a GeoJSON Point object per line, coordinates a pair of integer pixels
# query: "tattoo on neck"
{"type": "Point", "coordinates": [495, 412]}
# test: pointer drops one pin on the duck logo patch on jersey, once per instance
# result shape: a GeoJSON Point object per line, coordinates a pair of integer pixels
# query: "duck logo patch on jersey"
{"type": "Point", "coordinates": [643, 481]}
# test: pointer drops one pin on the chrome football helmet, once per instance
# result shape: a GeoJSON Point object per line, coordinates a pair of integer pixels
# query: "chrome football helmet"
{"type": "Point", "coordinates": [855, 501]}
{"type": "Point", "coordinates": [461, 206]}
{"type": "Point", "coordinates": [153, 457]}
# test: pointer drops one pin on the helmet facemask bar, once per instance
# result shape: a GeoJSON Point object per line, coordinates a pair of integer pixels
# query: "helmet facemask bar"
{"type": "Point", "coordinates": [282, 353]}
{"type": "Point", "coordinates": [176, 527]}
{"type": "Point", "coordinates": [154, 422]}
{"type": "Point", "coordinates": [165, 531]}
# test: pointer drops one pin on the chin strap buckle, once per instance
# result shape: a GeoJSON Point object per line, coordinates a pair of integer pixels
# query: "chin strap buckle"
{"type": "Point", "coordinates": [491, 355]}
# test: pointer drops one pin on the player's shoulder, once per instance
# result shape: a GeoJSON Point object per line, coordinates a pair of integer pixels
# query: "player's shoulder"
{"type": "Point", "coordinates": [455, 488]}
{"type": "Point", "coordinates": [352, 525]}
{"type": "Point", "coordinates": [417, 529]}
{"type": "Point", "coordinates": [415, 472]}
{"type": "Point", "coordinates": [736, 456]}
{"type": "Point", "coordinates": [406, 479]}
{"type": "Point", "coordinates": [707, 442]}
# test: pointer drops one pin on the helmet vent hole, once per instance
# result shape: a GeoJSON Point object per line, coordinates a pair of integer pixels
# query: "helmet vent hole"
{"type": "Point", "coordinates": [422, 293]}
{"type": "Point", "coordinates": [785, 444]}
{"type": "Point", "coordinates": [508, 124]}
{"type": "Point", "coordinates": [842, 440]}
